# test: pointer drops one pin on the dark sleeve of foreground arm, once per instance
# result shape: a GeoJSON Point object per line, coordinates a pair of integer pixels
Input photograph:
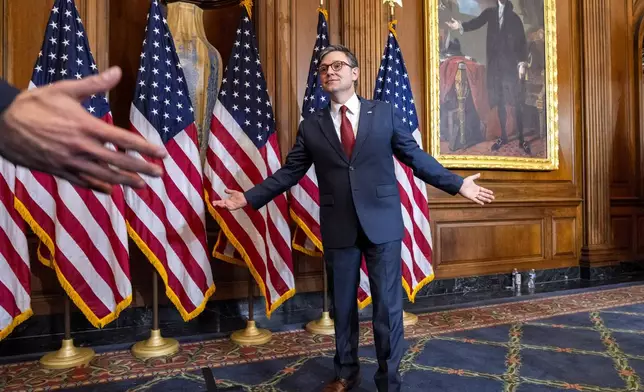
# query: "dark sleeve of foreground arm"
{"type": "Point", "coordinates": [7, 94]}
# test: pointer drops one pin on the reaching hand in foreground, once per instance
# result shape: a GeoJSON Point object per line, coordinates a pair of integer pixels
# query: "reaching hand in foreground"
{"type": "Point", "coordinates": [47, 129]}
{"type": "Point", "coordinates": [477, 194]}
{"type": "Point", "coordinates": [234, 202]}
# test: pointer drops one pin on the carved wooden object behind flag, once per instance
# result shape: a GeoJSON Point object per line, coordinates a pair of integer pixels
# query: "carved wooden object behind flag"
{"type": "Point", "coordinates": [201, 63]}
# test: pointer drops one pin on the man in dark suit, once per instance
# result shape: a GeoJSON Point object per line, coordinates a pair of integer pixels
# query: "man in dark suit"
{"type": "Point", "coordinates": [352, 144]}
{"type": "Point", "coordinates": [506, 56]}
{"type": "Point", "coordinates": [47, 129]}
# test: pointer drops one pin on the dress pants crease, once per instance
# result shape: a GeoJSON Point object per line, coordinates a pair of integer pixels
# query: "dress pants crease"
{"type": "Point", "coordinates": [383, 264]}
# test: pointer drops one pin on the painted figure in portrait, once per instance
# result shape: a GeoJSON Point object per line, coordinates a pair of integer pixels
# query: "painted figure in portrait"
{"type": "Point", "coordinates": [492, 72]}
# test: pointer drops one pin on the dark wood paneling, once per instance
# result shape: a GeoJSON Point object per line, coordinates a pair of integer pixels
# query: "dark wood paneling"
{"type": "Point", "coordinates": [465, 242]}
{"type": "Point", "coordinates": [4, 44]}
{"type": "Point", "coordinates": [628, 195]}
{"type": "Point", "coordinates": [364, 31]}
{"type": "Point", "coordinates": [564, 236]}
{"type": "Point", "coordinates": [624, 152]}
{"type": "Point", "coordinates": [25, 29]}
{"type": "Point", "coordinates": [627, 232]}
{"type": "Point", "coordinates": [639, 235]}
{"type": "Point", "coordinates": [213, 21]}
{"type": "Point", "coordinates": [127, 29]}
{"type": "Point", "coordinates": [24, 24]}
{"type": "Point", "coordinates": [473, 241]}
{"type": "Point", "coordinates": [623, 227]}
{"type": "Point", "coordinates": [95, 15]}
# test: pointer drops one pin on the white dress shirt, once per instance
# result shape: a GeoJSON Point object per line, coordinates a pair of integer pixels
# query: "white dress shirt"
{"type": "Point", "coordinates": [353, 114]}
{"type": "Point", "coordinates": [501, 9]}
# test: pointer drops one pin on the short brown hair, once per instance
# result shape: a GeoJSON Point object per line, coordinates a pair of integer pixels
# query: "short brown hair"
{"type": "Point", "coordinates": [353, 61]}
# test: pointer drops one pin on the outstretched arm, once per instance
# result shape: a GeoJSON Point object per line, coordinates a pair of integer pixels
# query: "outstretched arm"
{"type": "Point", "coordinates": [478, 22]}
{"type": "Point", "coordinates": [430, 170]}
{"type": "Point", "coordinates": [297, 164]}
{"type": "Point", "coordinates": [470, 25]}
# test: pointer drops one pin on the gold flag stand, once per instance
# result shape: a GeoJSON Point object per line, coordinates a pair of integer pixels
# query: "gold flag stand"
{"type": "Point", "coordinates": [251, 335]}
{"type": "Point", "coordinates": [156, 345]}
{"type": "Point", "coordinates": [68, 356]}
{"type": "Point", "coordinates": [324, 325]}
{"type": "Point", "coordinates": [409, 319]}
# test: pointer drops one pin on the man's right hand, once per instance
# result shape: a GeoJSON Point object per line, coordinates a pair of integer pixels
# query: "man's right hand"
{"type": "Point", "coordinates": [453, 24]}
{"type": "Point", "coordinates": [234, 202]}
{"type": "Point", "coordinates": [47, 129]}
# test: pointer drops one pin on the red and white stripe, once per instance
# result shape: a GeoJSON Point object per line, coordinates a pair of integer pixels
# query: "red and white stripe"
{"type": "Point", "coordinates": [262, 238]}
{"type": "Point", "coordinates": [417, 240]}
{"type": "Point", "coordinates": [86, 239]}
{"type": "Point", "coordinates": [167, 218]}
{"type": "Point", "coordinates": [305, 211]}
{"type": "Point", "coordinates": [302, 242]}
{"type": "Point", "coordinates": [15, 271]}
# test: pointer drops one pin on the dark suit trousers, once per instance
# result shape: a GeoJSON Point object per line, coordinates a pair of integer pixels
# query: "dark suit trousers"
{"type": "Point", "coordinates": [383, 264]}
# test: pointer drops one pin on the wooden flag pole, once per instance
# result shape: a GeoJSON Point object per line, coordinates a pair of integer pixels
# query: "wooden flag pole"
{"type": "Point", "coordinates": [408, 318]}
{"type": "Point", "coordinates": [251, 335]}
{"type": "Point", "coordinates": [156, 345]}
{"type": "Point", "coordinates": [68, 356]}
{"type": "Point", "coordinates": [324, 325]}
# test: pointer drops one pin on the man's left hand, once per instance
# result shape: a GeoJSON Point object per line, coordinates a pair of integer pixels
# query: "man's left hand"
{"type": "Point", "coordinates": [477, 194]}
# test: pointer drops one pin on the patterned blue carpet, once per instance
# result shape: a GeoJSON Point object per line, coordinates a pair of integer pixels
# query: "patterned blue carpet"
{"type": "Point", "coordinates": [591, 351]}
{"type": "Point", "coordinates": [589, 340]}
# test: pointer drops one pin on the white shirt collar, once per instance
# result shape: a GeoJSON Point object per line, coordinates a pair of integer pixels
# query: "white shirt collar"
{"type": "Point", "coordinates": [353, 104]}
{"type": "Point", "coordinates": [501, 7]}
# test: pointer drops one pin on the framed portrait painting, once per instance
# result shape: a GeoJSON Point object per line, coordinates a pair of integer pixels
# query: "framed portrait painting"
{"type": "Point", "coordinates": [491, 90]}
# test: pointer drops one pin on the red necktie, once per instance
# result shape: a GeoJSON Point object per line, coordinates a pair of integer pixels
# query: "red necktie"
{"type": "Point", "coordinates": [346, 132]}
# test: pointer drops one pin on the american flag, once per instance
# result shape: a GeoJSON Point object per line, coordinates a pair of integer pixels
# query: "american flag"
{"type": "Point", "coordinates": [392, 86]}
{"type": "Point", "coordinates": [305, 196]}
{"type": "Point", "coordinates": [167, 217]}
{"type": "Point", "coordinates": [242, 152]}
{"type": "Point", "coordinates": [83, 232]}
{"type": "Point", "coordinates": [15, 272]}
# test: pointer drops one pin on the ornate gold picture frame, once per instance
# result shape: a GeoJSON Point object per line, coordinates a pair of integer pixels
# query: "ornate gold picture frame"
{"type": "Point", "coordinates": [489, 60]}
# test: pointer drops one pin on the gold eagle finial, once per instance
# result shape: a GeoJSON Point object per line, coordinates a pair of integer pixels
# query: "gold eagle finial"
{"type": "Point", "coordinates": [393, 2]}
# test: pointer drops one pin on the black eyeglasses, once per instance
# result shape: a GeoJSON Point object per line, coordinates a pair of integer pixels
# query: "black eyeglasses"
{"type": "Point", "coordinates": [336, 66]}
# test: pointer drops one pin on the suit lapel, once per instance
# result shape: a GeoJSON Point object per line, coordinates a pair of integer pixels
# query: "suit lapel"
{"type": "Point", "coordinates": [364, 126]}
{"type": "Point", "coordinates": [328, 129]}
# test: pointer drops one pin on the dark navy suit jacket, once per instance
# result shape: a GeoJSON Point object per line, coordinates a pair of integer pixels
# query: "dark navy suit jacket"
{"type": "Point", "coordinates": [360, 190]}
{"type": "Point", "coordinates": [7, 94]}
